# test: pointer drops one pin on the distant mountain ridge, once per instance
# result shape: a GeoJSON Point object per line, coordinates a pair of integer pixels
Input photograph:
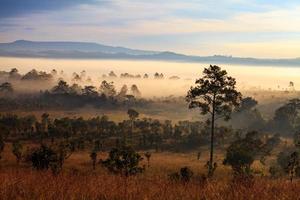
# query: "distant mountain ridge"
{"type": "Point", "coordinates": [87, 50]}
{"type": "Point", "coordinates": [68, 46]}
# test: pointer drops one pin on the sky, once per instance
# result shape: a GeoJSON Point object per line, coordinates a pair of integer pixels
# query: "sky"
{"type": "Point", "coordinates": [244, 28]}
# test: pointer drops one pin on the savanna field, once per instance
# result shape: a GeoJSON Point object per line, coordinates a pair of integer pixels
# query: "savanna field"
{"type": "Point", "coordinates": [74, 140]}
{"type": "Point", "coordinates": [79, 181]}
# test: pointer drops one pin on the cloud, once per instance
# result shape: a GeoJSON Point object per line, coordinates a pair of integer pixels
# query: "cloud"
{"type": "Point", "coordinates": [194, 26]}
{"type": "Point", "coordinates": [12, 8]}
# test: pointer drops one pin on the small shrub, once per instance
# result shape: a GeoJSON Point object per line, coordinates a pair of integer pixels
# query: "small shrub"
{"type": "Point", "coordinates": [185, 174]}
{"type": "Point", "coordinates": [293, 165]}
{"type": "Point", "coordinates": [17, 149]}
{"type": "Point", "coordinates": [239, 159]}
{"type": "Point", "coordinates": [289, 163]}
{"type": "Point", "coordinates": [45, 157]}
{"type": "Point", "coordinates": [42, 157]}
{"type": "Point", "coordinates": [148, 156]}
{"type": "Point", "coordinates": [124, 161]}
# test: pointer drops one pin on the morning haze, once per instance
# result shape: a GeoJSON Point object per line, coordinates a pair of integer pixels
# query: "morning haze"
{"type": "Point", "coordinates": [149, 100]}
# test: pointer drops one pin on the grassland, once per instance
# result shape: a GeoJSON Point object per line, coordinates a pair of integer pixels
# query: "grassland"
{"type": "Point", "coordinates": [79, 181]}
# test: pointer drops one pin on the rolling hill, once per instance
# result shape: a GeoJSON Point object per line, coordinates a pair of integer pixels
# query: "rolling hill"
{"type": "Point", "coordinates": [85, 50]}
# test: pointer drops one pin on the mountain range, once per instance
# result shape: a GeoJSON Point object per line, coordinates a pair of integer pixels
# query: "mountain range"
{"type": "Point", "coordinates": [85, 50]}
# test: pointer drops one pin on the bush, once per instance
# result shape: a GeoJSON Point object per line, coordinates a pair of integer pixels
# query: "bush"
{"type": "Point", "coordinates": [185, 174]}
{"type": "Point", "coordinates": [17, 149]}
{"type": "Point", "coordinates": [239, 158]}
{"type": "Point", "coordinates": [42, 157]}
{"type": "Point", "coordinates": [124, 161]}
{"type": "Point", "coordinates": [45, 157]}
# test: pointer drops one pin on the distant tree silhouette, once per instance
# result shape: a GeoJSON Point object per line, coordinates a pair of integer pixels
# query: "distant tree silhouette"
{"type": "Point", "coordinates": [108, 89]}
{"type": "Point", "coordinates": [90, 91]}
{"type": "Point", "coordinates": [34, 75]}
{"type": "Point", "coordinates": [291, 86]}
{"type": "Point", "coordinates": [158, 75]}
{"type": "Point", "coordinates": [112, 74]}
{"type": "Point", "coordinates": [132, 114]}
{"type": "Point", "coordinates": [6, 88]}
{"type": "Point", "coordinates": [135, 91]}
{"type": "Point", "coordinates": [285, 116]}
{"type": "Point", "coordinates": [76, 77]}
{"type": "Point", "coordinates": [146, 76]}
{"type": "Point", "coordinates": [247, 103]}
{"type": "Point", "coordinates": [14, 74]}
{"type": "Point", "coordinates": [76, 89]}
{"type": "Point", "coordinates": [61, 88]}
{"type": "Point", "coordinates": [123, 91]}
{"type": "Point", "coordinates": [54, 72]}
{"type": "Point", "coordinates": [214, 93]}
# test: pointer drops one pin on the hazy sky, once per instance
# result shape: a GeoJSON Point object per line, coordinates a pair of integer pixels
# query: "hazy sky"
{"type": "Point", "coordinates": [254, 28]}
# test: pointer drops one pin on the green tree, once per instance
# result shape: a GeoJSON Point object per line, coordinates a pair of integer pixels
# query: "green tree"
{"type": "Point", "coordinates": [239, 157]}
{"type": "Point", "coordinates": [124, 161]}
{"type": "Point", "coordinates": [215, 94]}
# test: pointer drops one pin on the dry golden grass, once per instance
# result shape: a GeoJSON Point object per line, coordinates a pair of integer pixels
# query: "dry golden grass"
{"type": "Point", "coordinates": [28, 184]}
{"type": "Point", "coordinates": [79, 181]}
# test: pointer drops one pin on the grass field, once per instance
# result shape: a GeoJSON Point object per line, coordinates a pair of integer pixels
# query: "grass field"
{"type": "Point", "coordinates": [79, 181]}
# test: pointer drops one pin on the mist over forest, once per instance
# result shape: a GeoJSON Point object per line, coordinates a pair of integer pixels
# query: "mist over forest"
{"type": "Point", "coordinates": [69, 111]}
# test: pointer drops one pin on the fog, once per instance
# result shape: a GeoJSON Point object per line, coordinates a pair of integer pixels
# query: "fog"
{"type": "Point", "coordinates": [248, 77]}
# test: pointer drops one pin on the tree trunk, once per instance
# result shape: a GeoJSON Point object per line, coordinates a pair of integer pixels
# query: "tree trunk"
{"type": "Point", "coordinates": [94, 164]}
{"type": "Point", "coordinates": [210, 167]}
